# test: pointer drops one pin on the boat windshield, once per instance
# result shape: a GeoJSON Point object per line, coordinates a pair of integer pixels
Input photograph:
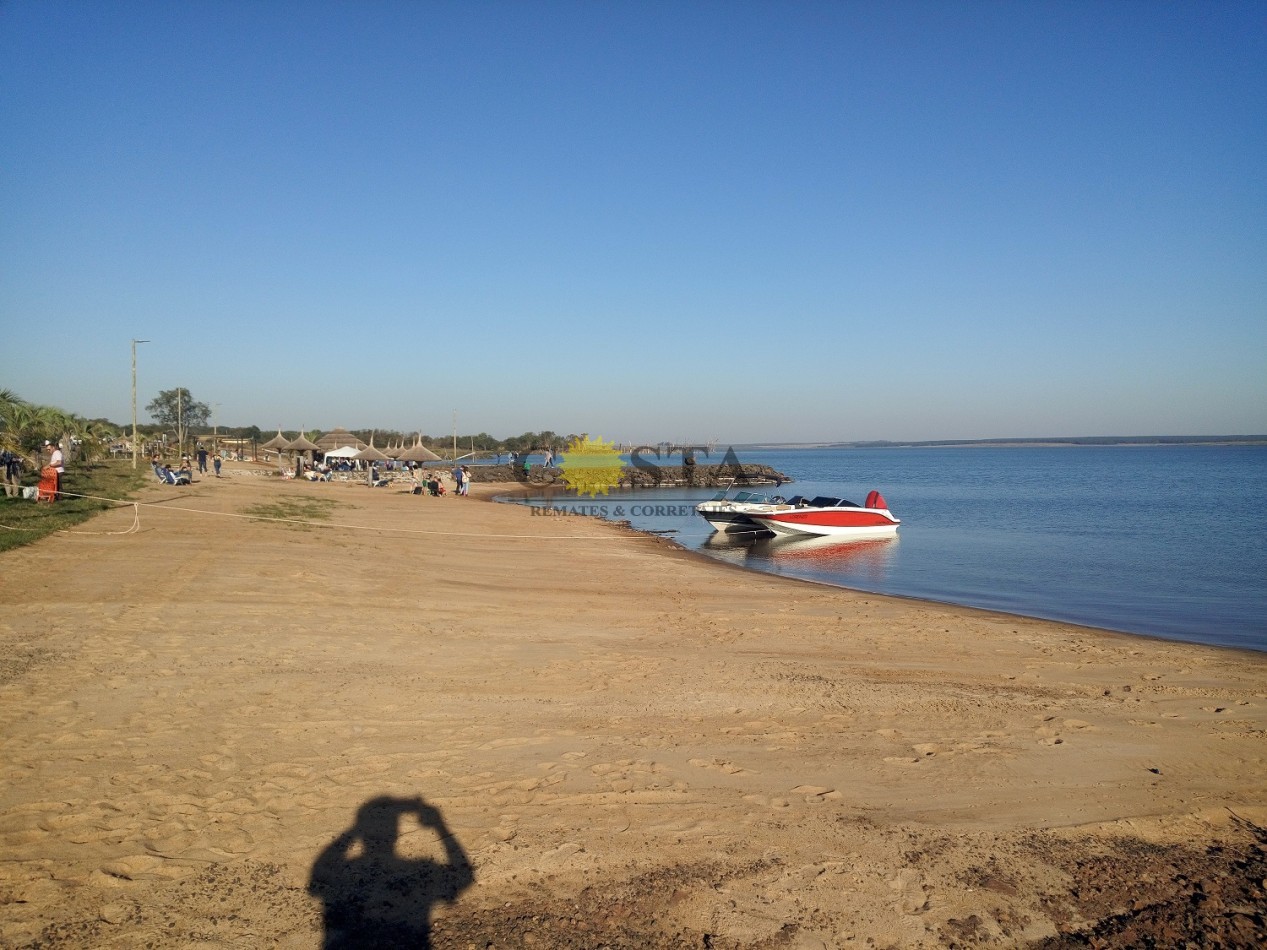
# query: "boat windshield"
{"type": "Point", "coordinates": [826, 501]}
{"type": "Point", "coordinates": [751, 498]}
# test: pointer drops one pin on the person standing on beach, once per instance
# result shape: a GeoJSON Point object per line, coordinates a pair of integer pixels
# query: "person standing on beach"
{"type": "Point", "coordinates": [12, 463]}
{"type": "Point", "coordinates": [57, 462]}
{"type": "Point", "coordinates": [202, 459]}
{"type": "Point", "coordinates": [464, 486]}
{"type": "Point", "coordinates": [216, 462]}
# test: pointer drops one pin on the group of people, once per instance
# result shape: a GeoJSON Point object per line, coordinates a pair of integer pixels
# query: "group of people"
{"type": "Point", "coordinates": [202, 454]}
{"type": "Point", "coordinates": [432, 483]}
{"type": "Point", "coordinates": [51, 472]}
{"type": "Point", "coordinates": [525, 460]}
{"type": "Point", "coordinates": [172, 476]}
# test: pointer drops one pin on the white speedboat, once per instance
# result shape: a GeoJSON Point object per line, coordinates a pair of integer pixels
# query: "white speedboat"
{"type": "Point", "coordinates": [826, 515]}
{"type": "Point", "coordinates": [731, 515]}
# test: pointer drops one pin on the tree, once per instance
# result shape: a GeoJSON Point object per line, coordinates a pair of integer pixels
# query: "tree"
{"type": "Point", "coordinates": [176, 409]}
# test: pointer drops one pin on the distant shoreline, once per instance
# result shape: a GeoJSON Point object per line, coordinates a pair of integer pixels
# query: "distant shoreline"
{"type": "Point", "coordinates": [1099, 441]}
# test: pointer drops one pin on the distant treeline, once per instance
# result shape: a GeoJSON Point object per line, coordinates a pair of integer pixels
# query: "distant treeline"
{"type": "Point", "coordinates": [1074, 440]}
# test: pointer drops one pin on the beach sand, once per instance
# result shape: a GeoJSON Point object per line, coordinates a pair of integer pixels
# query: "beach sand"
{"type": "Point", "coordinates": [519, 730]}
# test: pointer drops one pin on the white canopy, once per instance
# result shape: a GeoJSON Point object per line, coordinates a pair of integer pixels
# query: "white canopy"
{"type": "Point", "coordinates": [345, 452]}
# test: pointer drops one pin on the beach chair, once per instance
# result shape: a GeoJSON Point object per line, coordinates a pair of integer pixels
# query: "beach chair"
{"type": "Point", "coordinates": [46, 490]}
{"type": "Point", "coordinates": [168, 477]}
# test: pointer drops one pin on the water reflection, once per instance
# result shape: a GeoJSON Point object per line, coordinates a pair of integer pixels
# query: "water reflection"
{"type": "Point", "coordinates": [836, 560]}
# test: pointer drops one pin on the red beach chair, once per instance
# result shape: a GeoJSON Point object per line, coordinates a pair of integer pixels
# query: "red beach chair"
{"type": "Point", "coordinates": [47, 490]}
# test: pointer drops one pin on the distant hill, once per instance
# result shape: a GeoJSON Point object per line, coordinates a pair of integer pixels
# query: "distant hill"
{"type": "Point", "coordinates": [1054, 440]}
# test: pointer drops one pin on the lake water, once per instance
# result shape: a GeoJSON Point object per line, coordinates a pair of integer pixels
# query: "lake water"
{"type": "Point", "coordinates": [1169, 541]}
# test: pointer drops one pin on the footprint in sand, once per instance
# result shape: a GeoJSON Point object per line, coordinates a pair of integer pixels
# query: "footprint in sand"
{"type": "Point", "coordinates": [728, 767]}
{"type": "Point", "coordinates": [912, 894]}
{"type": "Point", "coordinates": [1048, 732]}
{"type": "Point", "coordinates": [817, 794]}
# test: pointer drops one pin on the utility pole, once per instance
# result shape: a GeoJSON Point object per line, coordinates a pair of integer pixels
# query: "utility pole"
{"type": "Point", "coordinates": [455, 435]}
{"type": "Point", "coordinates": [135, 447]}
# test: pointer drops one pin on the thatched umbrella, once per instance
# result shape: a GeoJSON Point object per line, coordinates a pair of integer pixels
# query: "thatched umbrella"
{"type": "Point", "coordinates": [277, 444]}
{"type": "Point", "coordinates": [418, 453]}
{"type": "Point", "coordinates": [338, 438]}
{"type": "Point", "coordinates": [300, 445]}
{"type": "Point", "coordinates": [370, 454]}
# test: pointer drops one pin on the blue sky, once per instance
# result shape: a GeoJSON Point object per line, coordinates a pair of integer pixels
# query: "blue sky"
{"type": "Point", "coordinates": [770, 221]}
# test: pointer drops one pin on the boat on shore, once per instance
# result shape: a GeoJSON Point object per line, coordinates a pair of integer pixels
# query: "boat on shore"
{"type": "Point", "coordinates": [827, 515]}
{"type": "Point", "coordinates": [732, 515]}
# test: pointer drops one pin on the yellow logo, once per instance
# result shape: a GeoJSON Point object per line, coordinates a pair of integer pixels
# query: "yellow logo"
{"type": "Point", "coordinates": [591, 466]}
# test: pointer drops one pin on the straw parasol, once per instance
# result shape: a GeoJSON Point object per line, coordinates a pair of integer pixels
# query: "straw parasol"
{"type": "Point", "coordinates": [338, 438]}
{"type": "Point", "coordinates": [370, 454]}
{"type": "Point", "coordinates": [418, 453]}
{"type": "Point", "coordinates": [277, 442]}
{"type": "Point", "coordinates": [302, 444]}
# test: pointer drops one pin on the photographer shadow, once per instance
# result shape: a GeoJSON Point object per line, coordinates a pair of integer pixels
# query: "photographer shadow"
{"type": "Point", "coordinates": [375, 897]}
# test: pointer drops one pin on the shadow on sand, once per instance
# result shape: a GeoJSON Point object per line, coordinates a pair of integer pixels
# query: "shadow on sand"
{"type": "Point", "coordinates": [374, 896]}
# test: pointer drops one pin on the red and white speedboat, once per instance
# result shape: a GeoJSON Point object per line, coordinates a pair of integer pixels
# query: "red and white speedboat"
{"type": "Point", "coordinates": [831, 516]}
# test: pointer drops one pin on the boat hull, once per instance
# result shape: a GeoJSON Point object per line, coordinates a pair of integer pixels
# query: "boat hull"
{"type": "Point", "coordinates": [731, 515]}
{"type": "Point", "coordinates": [830, 522]}
{"type": "Point", "coordinates": [730, 522]}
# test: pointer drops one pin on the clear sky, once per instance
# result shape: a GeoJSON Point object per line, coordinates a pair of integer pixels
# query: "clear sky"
{"type": "Point", "coordinates": [749, 221]}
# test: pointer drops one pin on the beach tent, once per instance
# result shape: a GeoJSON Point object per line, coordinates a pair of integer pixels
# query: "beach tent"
{"type": "Point", "coordinates": [343, 452]}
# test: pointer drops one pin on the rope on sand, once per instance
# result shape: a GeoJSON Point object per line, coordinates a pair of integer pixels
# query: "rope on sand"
{"type": "Point", "coordinates": [136, 518]}
{"type": "Point", "coordinates": [136, 525]}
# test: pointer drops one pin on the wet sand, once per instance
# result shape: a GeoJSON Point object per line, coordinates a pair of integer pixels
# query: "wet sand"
{"type": "Point", "coordinates": [452, 720]}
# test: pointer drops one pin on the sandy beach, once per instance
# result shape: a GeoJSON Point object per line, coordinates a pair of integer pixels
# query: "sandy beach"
{"type": "Point", "coordinates": [445, 720]}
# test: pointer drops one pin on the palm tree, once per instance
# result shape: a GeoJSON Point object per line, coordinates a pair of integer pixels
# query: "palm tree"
{"type": "Point", "coordinates": [22, 428]}
{"type": "Point", "coordinates": [95, 435]}
{"type": "Point", "coordinates": [8, 399]}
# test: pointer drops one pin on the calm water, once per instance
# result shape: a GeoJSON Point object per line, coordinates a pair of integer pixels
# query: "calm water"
{"type": "Point", "coordinates": [1162, 540]}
